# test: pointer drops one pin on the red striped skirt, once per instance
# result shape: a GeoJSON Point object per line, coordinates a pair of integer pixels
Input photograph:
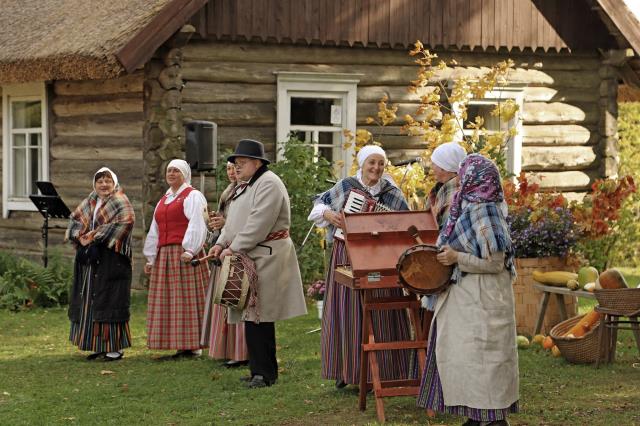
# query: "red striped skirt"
{"type": "Point", "coordinates": [176, 301]}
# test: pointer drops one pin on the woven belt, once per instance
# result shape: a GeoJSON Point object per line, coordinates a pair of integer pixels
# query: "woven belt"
{"type": "Point", "coordinates": [278, 235]}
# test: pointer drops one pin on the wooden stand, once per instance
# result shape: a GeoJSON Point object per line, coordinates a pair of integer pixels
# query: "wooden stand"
{"type": "Point", "coordinates": [375, 242]}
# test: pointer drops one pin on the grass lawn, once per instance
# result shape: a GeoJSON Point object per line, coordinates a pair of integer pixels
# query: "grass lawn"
{"type": "Point", "coordinates": [44, 380]}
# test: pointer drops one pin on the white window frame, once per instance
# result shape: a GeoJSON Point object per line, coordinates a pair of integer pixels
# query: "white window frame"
{"type": "Point", "coordinates": [21, 92]}
{"type": "Point", "coordinates": [514, 145]}
{"type": "Point", "coordinates": [343, 87]}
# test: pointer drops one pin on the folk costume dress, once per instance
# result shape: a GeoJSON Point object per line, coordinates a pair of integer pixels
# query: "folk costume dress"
{"type": "Point", "coordinates": [225, 340]}
{"type": "Point", "coordinates": [176, 289]}
{"type": "Point", "coordinates": [472, 361]}
{"type": "Point", "coordinates": [100, 295]}
{"type": "Point", "coordinates": [342, 316]}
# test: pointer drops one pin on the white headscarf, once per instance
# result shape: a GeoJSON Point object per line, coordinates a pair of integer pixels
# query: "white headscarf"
{"type": "Point", "coordinates": [367, 151]}
{"type": "Point", "coordinates": [184, 168]}
{"type": "Point", "coordinates": [448, 156]}
{"type": "Point", "coordinates": [113, 176]}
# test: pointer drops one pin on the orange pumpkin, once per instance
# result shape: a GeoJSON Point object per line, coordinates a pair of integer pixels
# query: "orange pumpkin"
{"type": "Point", "coordinates": [612, 279]}
{"type": "Point", "coordinates": [547, 343]}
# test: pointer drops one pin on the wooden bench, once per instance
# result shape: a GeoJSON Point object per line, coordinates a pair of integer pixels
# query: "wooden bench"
{"type": "Point", "coordinates": [559, 293]}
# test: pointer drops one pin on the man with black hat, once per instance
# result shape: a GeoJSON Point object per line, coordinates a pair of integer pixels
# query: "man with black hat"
{"type": "Point", "coordinates": [257, 225]}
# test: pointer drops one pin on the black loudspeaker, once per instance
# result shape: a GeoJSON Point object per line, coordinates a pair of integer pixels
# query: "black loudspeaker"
{"type": "Point", "coordinates": [201, 145]}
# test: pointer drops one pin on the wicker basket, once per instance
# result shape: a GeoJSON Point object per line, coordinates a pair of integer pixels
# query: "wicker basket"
{"type": "Point", "coordinates": [623, 300]}
{"type": "Point", "coordinates": [582, 350]}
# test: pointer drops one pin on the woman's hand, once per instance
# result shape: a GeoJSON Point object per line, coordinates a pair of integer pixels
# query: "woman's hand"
{"type": "Point", "coordinates": [186, 257]}
{"type": "Point", "coordinates": [147, 268]}
{"type": "Point", "coordinates": [447, 256]}
{"type": "Point", "coordinates": [216, 221]}
{"type": "Point", "coordinates": [333, 218]}
{"type": "Point", "coordinates": [86, 239]}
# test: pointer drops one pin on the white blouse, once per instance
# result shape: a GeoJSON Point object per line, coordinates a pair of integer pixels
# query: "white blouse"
{"type": "Point", "coordinates": [194, 205]}
{"type": "Point", "coordinates": [317, 212]}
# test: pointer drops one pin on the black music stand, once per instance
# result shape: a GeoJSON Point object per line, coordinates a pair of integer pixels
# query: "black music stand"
{"type": "Point", "coordinates": [50, 205]}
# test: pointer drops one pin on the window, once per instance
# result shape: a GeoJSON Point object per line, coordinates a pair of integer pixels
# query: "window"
{"type": "Point", "coordinates": [317, 108]}
{"type": "Point", "coordinates": [25, 146]}
{"type": "Point", "coordinates": [483, 107]}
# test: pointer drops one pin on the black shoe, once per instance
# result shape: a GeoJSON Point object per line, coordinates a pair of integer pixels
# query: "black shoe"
{"type": "Point", "coordinates": [259, 381]}
{"type": "Point", "coordinates": [235, 364]}
{"type": "Point", "coordinates": [186, 354]}
{"type": "Point", "coordinates": [95, 355]}
{"type": "Point", "coordinates": [118, 357]}
{"type": "Point", "coordinates": [246, 379]}
{"type": "Point", "coordinates": [340, 384]}
{"type": "Point", "coordinates": [471, 422]}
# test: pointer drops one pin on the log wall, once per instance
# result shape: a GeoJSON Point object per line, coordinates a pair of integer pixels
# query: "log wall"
{"type": "Point", "coordinates": [92, 124]}
{"type": "Point", "coordinates": [568, 115]}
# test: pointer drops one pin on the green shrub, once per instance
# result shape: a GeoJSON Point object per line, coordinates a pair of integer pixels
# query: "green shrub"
{"type": "Point", "coordinates": [625, 244]}
{"type": "Point", "coordinates": [305, 175]}
{"type": "Point", "coordinates": [24, 283]}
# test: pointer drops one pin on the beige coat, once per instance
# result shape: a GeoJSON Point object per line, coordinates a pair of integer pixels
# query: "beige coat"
{"type": "Point", "coordinates": [476, 344]}
{"type": "Point", "coordinates": [264, 208]}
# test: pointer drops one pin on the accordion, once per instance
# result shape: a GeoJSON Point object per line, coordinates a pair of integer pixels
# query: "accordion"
{"type": "Point", "coordinates": [359, 202]}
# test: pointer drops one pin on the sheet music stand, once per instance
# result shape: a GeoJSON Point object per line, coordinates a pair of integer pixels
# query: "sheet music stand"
{"type": "Point", "coordinates": [374, 243]}
{"type": "Point", "coordinates": [50, 205]}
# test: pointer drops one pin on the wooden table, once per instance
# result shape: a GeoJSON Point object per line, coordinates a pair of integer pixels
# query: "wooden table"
{"type": "Point", "coordinates": [559, 293]}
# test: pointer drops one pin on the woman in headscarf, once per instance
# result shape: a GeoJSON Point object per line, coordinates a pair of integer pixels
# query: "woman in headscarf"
{"type": "Point", "coordinates": [225, 341]}
{"type": "Point", "coordinates": [472, 361]}
{"type": "Point", "coordinates": [100, 228]}
{"type": "Point", "coordinates": [342, 315]}
{"type": "Point", "coordinates": [176, 289]}
{"type": "Point", "coordinates": [445, 163]}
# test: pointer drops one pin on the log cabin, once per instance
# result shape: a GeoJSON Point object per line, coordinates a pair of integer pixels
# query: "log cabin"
{"type": "Point", "coordinates": [87, 83]}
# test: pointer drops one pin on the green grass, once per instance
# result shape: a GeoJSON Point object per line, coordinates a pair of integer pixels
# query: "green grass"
{"type": "Point", "coordinates": [45, 380]}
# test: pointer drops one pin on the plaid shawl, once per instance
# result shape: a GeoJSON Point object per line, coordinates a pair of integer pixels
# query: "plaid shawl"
{"type": "Point", "coordinates": [440, 199]}
{"type": "Point", "coordinates": [480, 228]}
{"type": "Point", "coordinates": [389, 195]}
{"type": "Point", "coordinates": [113, 226]}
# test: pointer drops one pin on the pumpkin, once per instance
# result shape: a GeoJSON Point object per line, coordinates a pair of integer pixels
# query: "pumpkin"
{"type": "Point", "coordinates": [573, 285]}
{"type": "Point", "coordinates": [555, 351]}
{"type": "Point", "coordinates": [547, 343]}
{"type": "Point", "coordinates": [538, 338]}
{"type": "Point", "coordinates": [523, 342]}
{"type": "Point", "coordinates": [612, 279]}
{"type": "Point", "coordinates": [587, 274]}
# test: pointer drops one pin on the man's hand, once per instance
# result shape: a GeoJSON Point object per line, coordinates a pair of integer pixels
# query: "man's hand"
{"type": "Point", "coordinates": [226, 252]}
{"type": "Point", "coordinates": [215, 251]}
{"type": "Point", "coordinates": [147, 268]}
{"type": "Point", "coordinates": [333, 218]}
{"type": "Point", "coordinates": [447, 256]}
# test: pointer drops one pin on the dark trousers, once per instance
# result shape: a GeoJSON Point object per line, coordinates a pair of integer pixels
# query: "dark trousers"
{"type": "Point", "coordinates": [261, 344]}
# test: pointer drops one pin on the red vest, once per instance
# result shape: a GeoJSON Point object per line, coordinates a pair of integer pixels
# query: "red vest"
{"type": "Point", "coordinates": [172, 223]}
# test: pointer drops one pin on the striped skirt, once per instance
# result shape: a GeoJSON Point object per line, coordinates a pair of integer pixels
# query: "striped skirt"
{"type": "Point", "coordinates": [89, 335]}
{"type": "Point", "coordinates": [431, 397]}
{"type": "Point", "coordinates": [225, 341]}
{"type": "Point", "coordinates": [176, 301]}
{"type": "Point", "coordinates": [342, 330]}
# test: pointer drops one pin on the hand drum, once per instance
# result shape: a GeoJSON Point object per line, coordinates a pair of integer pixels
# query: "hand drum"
{"type": "Point", "coordinates": [420, 272]}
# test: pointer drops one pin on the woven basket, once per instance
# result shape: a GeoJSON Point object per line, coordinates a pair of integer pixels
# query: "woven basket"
{"type": "Point", "coordinates": [582, 350]}
{"type": "Point", "coordinates": [623, 300]}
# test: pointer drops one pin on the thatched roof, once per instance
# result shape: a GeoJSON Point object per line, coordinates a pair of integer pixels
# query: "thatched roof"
{"type": "Point", "coordinates": [81, 39]}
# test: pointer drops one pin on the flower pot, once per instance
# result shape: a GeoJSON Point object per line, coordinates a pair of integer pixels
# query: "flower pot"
{"type": "Point", "coordinates": [527, 298]}
{"type": "Point", "coordinates": [319, 305]}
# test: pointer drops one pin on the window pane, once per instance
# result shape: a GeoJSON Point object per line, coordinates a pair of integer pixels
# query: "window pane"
{"type": "Point", "coordinates": [311, 111]}
{"type": "Point", "coordinates": [19, 176]}
{"type": "Point", "coordinates": [19, 140]}
{"type": "Point", "coordinates": [484, 111]}
{"type": "Point", "coordinates": [35, 139]}
{"type": "Point", "coordinates": [34, 172]}
{"type": "Point", "coordinates": [26, 114]}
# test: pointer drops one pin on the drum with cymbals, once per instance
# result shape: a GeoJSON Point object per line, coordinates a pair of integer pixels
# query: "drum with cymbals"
{"type": "Point", "coordinates": [420, 272]}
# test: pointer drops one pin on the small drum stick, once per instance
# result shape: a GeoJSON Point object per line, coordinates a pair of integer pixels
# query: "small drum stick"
{"type": "Point", "coordinates": [413, 231]}
{"type": "Point", "coordinates": [216, 261]}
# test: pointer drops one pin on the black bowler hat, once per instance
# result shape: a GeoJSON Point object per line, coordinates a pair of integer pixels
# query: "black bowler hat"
{"type": "Point", "coordinates": [249, 148]}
